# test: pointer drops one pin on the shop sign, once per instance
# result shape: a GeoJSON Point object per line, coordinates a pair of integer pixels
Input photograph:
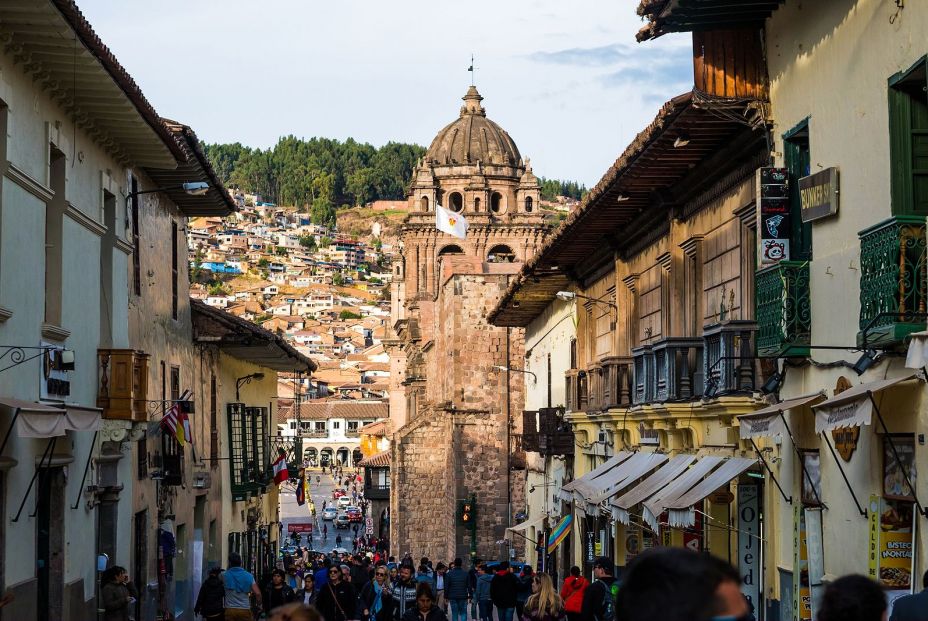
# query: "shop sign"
{"type": "Point", "coordinates": [749, 543]}
{"type": "Point", "coordinates": [692, 537]}
{"type": "Point", "coordinates": [845, 439]}
{"type": "Point", "coordinates": [721, 497]}
{"type": "Point", "coordinates": [590, 548]}
{"type": "Point", "coordinates": [818, 195]}
{"type": "Point", "coordinates": [894, 473]}
{"type": "Point", "coordinates": [873, 543]}
{"type": "Point", "coordinates": [892, 536]}
{"type": "Point", "coordinates": [802, 596]}
{"type": "Point", "coordinates": [632, 545]}
{"type": "Point", "coordinates": [299, 527]}
{"type": "Point", "coordinates": [773, 215]}
{"type": "Point", "coordinates": [55, 380]}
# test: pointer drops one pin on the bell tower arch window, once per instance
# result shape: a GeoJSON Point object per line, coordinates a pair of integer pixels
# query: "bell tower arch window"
{"type": "Point", "coordinates": [477, 204]}
{"type": "Point", "coordinates": [496, 203]}
{"type": "Point", "coordinates": [456, 202]}
{"type": "Point", "coordinates": [529, 204]}
{"type": "Point", "coordinates": [424, 203]}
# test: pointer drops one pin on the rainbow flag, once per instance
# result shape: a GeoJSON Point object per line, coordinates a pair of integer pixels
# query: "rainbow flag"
{"type": "Point", "coordinates": [560, 532]}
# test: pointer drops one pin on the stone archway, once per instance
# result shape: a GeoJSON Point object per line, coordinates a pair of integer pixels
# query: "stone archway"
{"type": "Point", "coordinates": [311, 455]}
{"type": "Point", "coordinates": [341, 455]}
{"type": "Point", "coordinates": [326, 456]}
{"type": "Point", "coordinates": [356, 456]}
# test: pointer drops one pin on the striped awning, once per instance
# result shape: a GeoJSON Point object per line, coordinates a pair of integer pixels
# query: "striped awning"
{"type": "Point", "coordinates": [566, 491]}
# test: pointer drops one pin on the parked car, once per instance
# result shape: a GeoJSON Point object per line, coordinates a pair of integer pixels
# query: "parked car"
{"type": "Point", "coordinates": [354, 514]}
{"type": "Point", "coordinates": [344, 502]}
{"type": "Point", "coordinates": [329, 513]}
{"type": "Point", "coordinates": [342, 521]}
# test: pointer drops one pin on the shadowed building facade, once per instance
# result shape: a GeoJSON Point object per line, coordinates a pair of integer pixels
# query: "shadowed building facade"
{"type": "Point", "coordinates": [454, 413]}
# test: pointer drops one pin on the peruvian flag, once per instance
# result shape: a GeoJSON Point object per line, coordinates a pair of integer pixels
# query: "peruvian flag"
{"type": "Point", "coordinates": [280, 469]}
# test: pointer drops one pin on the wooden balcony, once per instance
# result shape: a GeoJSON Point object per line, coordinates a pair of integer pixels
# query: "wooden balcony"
{"type": "Point", "coordinates": [678, 372]}
{"type": "Point", "coordinates": [616, 382]}
{"type": "Point", "coordinates": [123, 384]}
{"type": "Point", "coordinates": [728, 357]}
{"type": "Point", "coordinates": [545, 431]}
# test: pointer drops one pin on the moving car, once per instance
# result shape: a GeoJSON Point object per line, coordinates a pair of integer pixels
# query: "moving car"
{"type": "Point", "coordinates": [344, 502]}
{"type": "Point", "coordinates": [354, 514]}
{"type": "Point", "coordinates": [338, 493]}
{"type": "Point", "coordinates": [341, 521]}
{"type": "Point", "coordinates": [329, 513]}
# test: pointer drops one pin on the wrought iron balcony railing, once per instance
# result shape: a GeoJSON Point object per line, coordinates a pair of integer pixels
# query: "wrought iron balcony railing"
{"type": "Point", "coordinates": [892, 280]}
{"type": "Point", "coordinates": [783, 309]}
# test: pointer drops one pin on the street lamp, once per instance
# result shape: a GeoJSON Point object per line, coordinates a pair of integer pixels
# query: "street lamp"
{"type": "Point", "coordinates": [500, 367]}
{"type": "Point", "coordinates": [570, 296]}
{"type": "Point", "coordinates": [193, 188]}
{"type": "Point", "coordinates": [246, 379]}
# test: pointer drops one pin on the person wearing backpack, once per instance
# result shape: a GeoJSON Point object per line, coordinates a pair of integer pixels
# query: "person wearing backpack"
{"type": "Point", "coordinates": [599, 598]}
{"type": "Point", "coordinates": [572, 593]}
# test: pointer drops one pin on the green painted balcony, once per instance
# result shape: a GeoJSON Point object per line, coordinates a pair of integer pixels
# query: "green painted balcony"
{"type": "Point", "coordinates": [783, 310]}
{"type": "Point", "coordinates": [892, 281]}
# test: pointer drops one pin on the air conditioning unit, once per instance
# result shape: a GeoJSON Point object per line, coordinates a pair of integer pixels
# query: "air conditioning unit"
{"type": "Point", "coordinates": [201, 480]}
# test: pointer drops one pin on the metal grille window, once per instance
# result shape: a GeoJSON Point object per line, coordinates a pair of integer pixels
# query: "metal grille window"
{"type": "Point", "coordinates": [249, 449]}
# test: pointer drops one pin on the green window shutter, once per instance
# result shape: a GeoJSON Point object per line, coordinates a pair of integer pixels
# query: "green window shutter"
{"type": "Point", "coordinates": [258, 443]}
{"type": "Point", "coordinates": [919, 153]}
{"type": "Point", "coordinates": [899, 149]}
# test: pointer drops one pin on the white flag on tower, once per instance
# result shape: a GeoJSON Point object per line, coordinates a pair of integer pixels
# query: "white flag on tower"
{"type": "Point", "coordinates": [450, 222]}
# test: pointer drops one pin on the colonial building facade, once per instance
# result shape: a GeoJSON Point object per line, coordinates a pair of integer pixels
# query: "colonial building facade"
{"type": "Point", "coordinates": [453, 410]}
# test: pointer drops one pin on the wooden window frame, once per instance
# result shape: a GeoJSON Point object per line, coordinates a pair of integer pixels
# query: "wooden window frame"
{"type": "Point", "coordinates": [900, 145]}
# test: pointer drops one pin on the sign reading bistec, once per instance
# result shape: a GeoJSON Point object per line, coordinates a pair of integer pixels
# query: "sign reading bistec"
{"type": "Point", "coordinates": [818, 195]}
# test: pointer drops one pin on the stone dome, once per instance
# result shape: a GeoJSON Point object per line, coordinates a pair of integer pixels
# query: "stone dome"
{"type": "Point", "coordinates": [473, 138]}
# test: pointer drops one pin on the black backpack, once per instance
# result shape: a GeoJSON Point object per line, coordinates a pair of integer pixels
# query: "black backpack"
{"type": "Point", "coordinates": [610, 597]}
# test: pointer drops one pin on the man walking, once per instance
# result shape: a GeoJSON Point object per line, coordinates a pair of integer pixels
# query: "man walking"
{"type": "Point", "coordinates": [240, 584]}
{"type": "Point", "coordinates": [599, 598]}
{"type": "Point", "coordinates": [404, 591]}
{"type": "Point", "coordinates": [503, 591]}
{"type": "Point", "coordinates": [457, 591]}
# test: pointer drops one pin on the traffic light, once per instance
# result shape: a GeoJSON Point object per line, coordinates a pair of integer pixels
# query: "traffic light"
{"type": "Point", "coordinates": [468, 513]}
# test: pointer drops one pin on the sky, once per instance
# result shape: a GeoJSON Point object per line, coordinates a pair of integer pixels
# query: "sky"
{"type": "Point", "coordinates": [566, 79]}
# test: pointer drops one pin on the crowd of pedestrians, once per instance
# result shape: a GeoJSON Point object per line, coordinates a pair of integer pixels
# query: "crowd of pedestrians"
{"type": "Point", "coordinates": [669, 584]}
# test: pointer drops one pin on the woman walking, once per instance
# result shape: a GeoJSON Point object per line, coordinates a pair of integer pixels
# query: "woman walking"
{"type": "Point", "coordinates": [572, 593]}
{"type": "Point", "coordinates": [425, 609]}
{"type": "Point", "coordinates": [117, 594]}
{"type": "Point", "coordinates": [544, 604]}
{"type": "Point", "coordinates": [377, 597]}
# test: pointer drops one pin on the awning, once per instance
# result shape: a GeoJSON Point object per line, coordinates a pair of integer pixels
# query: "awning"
{"type": "Point", "coordinates": [649, 486]}
{"type": "Point", "coordinates": [680, 510]}
{"type": "Point", "coordinates": [524, 526]}
{"type": "Point", "coordinates": [39, 420]}
{"type": "Point", "coordinates": [621, 477]}
{"type": "Point", "coordinates": [566, 491]}
{"type": "Point", "coordinates": [658, 503]}
{"type": "Point", "coordinates": [853, 407]}
{"type": "Point", "coordinates": [768, 421]}
{"type": "Point", "coordinates": [917, 356]}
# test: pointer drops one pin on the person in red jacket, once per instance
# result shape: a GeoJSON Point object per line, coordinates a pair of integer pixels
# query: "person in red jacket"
{"type": "Point", "coordinates": [572, 593]}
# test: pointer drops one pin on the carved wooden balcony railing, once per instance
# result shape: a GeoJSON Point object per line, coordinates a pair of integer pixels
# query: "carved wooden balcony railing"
{"type": "Point", "coordinates": [728, 357]}
{"type": "Point", "coordinates": [616, 382]}
{"type": "Point", "coordinates": [677, 368]}
{"type": "Point", "coordinates": [645, 385]}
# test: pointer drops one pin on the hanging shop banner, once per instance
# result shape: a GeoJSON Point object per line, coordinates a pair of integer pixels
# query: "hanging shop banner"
{"type": "Point", "coordinates": [815, 552]}
{"type": "Point", "coordinates": [749, 543]}
{"type": "Point", "coordinates": [802, 596]}
{"type": "Point", "coordinates": [894, 472]}
{"type": "Point", "coordinates": [693, 537]}
{"type": "Point", "coordinates": [895, 547]}
{"type": "Point", "coordinates": [818, 195]}
{"type": "Point", "coordinates": [764, 426]}
{"type": "Point", "coordinates": [773, 215]}
{"type": "Point", "coordinates": [873, 543]}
